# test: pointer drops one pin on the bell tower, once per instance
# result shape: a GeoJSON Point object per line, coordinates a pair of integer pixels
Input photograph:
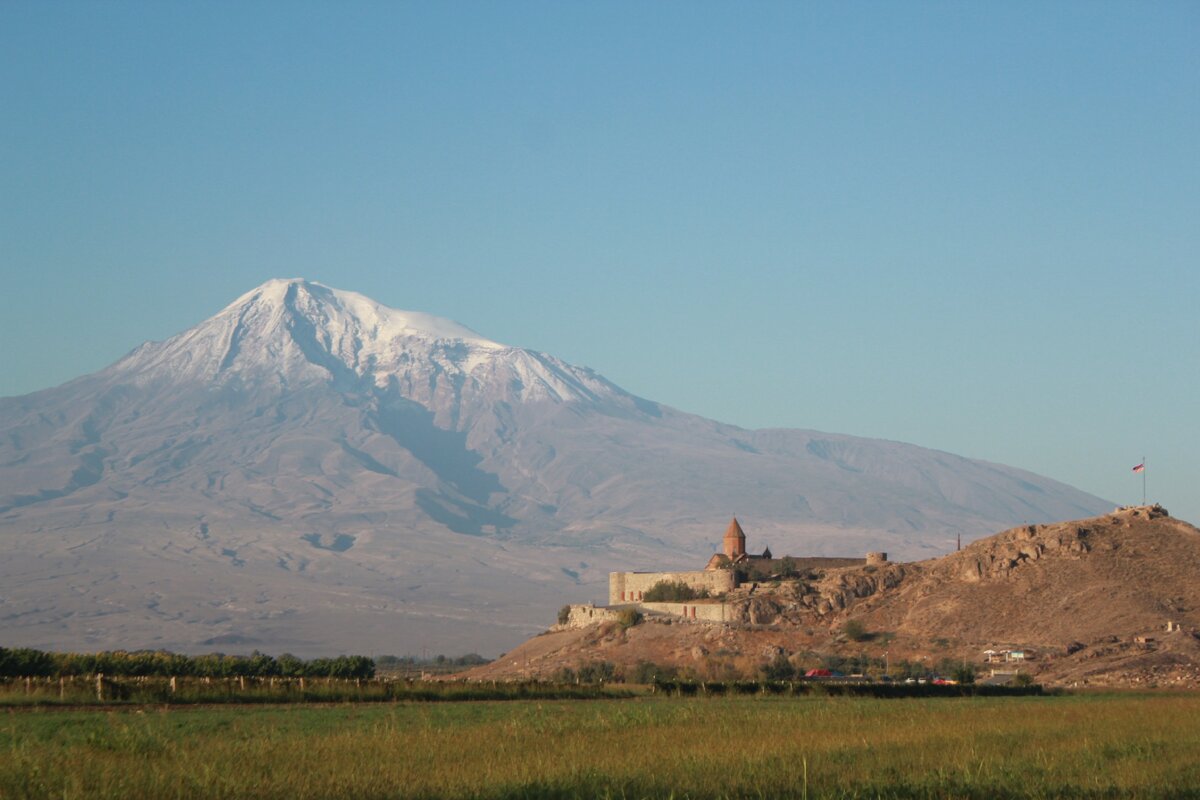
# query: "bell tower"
{"type": "Point", "coordinates": [735, 540]}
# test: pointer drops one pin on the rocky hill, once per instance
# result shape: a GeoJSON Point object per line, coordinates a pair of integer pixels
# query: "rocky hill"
{"type": "Point", "coordinates": [310, 470]}
{"type": "Point", "coordinates": [1087, 602]}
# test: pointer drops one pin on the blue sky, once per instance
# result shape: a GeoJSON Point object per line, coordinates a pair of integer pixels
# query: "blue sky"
{"type": "Point", "coordinates": [969, 226]}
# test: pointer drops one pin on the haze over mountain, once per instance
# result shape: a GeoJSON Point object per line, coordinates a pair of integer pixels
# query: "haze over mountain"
{"type": "Point", "coordinates": [311, 470]}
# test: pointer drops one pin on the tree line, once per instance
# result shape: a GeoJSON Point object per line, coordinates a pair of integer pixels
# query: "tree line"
{"type": "Point", "coordinates": [438, 661]}
{"type": "Point", "coordinates": [27, 662]}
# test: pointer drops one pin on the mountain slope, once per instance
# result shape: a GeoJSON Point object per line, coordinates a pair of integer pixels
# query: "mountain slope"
{"type": "Point", "coordinates": [310, 469]}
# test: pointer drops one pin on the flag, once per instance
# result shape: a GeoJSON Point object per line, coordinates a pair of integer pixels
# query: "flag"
{"type": "Point", "coordinates": [1140, 467]}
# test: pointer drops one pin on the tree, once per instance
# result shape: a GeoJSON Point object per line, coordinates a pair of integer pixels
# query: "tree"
{"type": "Point", "coordinates": [649, 672]}
{"type": "Point", "coordinates": [964, 673]}
{"type": "Point", "coordinates": [672, 592]}
{"type": "Point", "coordinates": [471, 660]}
{"type": "Point", "coordinates": [25, 662]}
{"type": "Point", "coordinates": [290, 666]}
{"type": "Point", "coordinates": [855, 631]}
{"type": "Point", "coordinates": [597, 672]}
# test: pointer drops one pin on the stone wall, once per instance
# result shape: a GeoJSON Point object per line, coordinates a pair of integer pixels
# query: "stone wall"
{"type": "Point", "coordinates": [628, 587]}
{"type": "Point", "coordinates": [818, 562]}
{"type": "Point", "coordinates": [583, 615]}
{"type": "Point", "coordinates": [708, 612]}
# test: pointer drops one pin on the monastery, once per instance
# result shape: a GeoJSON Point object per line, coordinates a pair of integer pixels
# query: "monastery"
{"type": "Point", "coordinates": [723, 573]}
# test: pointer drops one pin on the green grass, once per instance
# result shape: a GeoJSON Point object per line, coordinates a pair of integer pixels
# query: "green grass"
{"type": "Point", "coordinates": [1100, 746]}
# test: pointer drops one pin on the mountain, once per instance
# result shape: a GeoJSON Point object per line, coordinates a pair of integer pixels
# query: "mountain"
{"type": "Point", "coordinates": [1087, 601]}
{"type": "Point", "coordinates": [312, 470]}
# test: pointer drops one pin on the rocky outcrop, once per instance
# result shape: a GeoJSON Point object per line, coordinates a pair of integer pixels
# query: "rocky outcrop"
{"type": "Point", "coordinates": [1027, 545]}
{"type": "Point", "coordinates": [853, 585]}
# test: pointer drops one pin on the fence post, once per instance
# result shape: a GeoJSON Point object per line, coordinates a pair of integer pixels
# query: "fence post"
{"type": "Point", "coordinates": [242, 682]}
{"type": "Point", "coordinates": [62, 690]}
{"type": "Point", "coordinates": [172, 684]}
{"type": "Point", "coordinates": [100, 686]}
{"type": "Point", "coordinates": [302, 683]}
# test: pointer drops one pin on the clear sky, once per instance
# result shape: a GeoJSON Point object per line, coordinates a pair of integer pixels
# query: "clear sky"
{"type": "Point", "coordinates": [970, 226]}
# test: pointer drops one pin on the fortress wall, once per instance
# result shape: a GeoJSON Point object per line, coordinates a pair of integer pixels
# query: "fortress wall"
{"type": "Point", "coordinates": [628, 587]}
{"type": "Point", "coordinates": [708, 612]}
{"type": "Point", "coordinates": [583, 615]}
{"type": "Point", "coordinates": [822, 562]}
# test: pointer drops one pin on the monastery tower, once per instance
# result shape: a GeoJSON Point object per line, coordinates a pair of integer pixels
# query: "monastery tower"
{"type": "Point", "coordinates": [735, 540]}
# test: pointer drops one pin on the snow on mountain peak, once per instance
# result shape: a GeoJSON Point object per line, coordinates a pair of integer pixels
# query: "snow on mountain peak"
{"type": "Point", "coordinates": [295, 331]}
{"type": "Point", "coordinates": [337, 307]}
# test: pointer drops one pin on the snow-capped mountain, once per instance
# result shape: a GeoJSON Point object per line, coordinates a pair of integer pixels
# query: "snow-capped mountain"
{"type": "Point", "coordinates": [294, 333]}
{"type": "Point", "coordinates": [312, 470]}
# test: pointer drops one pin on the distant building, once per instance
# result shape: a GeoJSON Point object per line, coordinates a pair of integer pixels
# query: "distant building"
{"type": "Point", "coordinates": [723, 573]}
{"type": "Point", "coordinates": [734, 549]}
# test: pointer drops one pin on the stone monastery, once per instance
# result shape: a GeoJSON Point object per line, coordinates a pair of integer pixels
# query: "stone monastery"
{"type": "Point", "coordinates": [724, 573]}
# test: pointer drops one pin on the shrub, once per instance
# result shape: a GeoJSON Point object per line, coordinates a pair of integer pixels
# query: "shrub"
{"type": "Point", "coordinates": [564, 614]}
{"type": "Point", "coordinates": [628, 617]}
{"type": "Point", "coordinates": [672, 592]}
{"type": "Point", "coordinates": [778, 669]}
{"type": "Point", "coordinates": [855, 631]}
{"type": "Point", "coordinates": [964, 673]}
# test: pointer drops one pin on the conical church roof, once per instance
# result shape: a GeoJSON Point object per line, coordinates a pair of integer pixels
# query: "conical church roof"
{"type": "Point", "coordinates": [734, 531]}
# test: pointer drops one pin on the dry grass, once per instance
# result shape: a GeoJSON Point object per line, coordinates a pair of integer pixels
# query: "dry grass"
{"type": "Point", "coordinates": [1082, 746]}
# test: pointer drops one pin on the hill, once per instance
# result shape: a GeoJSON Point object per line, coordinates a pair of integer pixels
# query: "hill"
{"type": "Point", "coordinates": [1074, 598]}
{"type": "Point", "coordinates": [311, 470]}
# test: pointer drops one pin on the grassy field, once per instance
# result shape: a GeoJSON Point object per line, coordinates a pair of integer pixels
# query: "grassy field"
{"type": "Point", "coordinates": [1102, 746]}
